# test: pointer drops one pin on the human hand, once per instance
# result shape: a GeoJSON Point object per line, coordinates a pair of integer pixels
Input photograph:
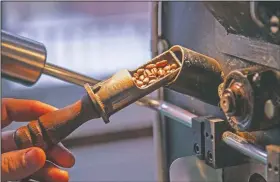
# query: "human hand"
{"type": "Point", "coordinates": [32, 162]}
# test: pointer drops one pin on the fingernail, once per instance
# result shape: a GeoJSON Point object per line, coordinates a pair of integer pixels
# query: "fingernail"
{"type": "Point", "coordinates": [35, 158]}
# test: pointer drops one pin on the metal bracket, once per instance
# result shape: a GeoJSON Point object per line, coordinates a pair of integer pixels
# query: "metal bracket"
{"type": "Point", "coordinates": [198, 138]}
{"type": "Point", "coordinates": [273, 164]}
{"type": "Point", "coordinates": [217, 153]}
{"type": "Point", "coordinates": [208, 144]}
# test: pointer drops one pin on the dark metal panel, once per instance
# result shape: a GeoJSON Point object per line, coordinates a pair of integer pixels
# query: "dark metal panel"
{"type": "Point", "coordinates": [249, 19]}
{"type": "Point", "coordinates": [191, 25]}
{"type": "Point", "coordinates": [260, 52]}
{"type": "Point", "coordinates": [235, 17]}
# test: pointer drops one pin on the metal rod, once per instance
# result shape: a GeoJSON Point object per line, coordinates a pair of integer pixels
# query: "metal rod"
{"type": "Point", "coordinates": [168, 110]}
{"type": "Point", "coordinates": [67, 75]}
{"type": "Point", "coordinates": [246, 148]}
{"type": "Point", "coordinates": [22, 59]}
{"type": "Point", "coordinates": [185, 117]}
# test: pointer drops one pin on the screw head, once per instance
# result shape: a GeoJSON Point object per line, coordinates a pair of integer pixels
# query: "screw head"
{"type": "Point", "coordinates": [196, 148]}
{"type": "Point", "coordinates": [274, 20]}
{"type": "Point", "coordinates": [274, 29]}
{"type": "Point", "coordinates": [209, 157]}
{"type": "Point", "coordinates": [274, 24]}
{"type": "Point", "coordinates": [270, 109]}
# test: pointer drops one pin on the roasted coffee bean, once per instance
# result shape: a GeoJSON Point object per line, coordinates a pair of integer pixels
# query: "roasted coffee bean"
{"type": "Point", "coordinates": [139, 83]}
{"type": "Point", "coordinates": [150, 66]}
{"type": "Point", "coordinates": [147, 72]}
{"type": "Point", "coordinates": [154, 71]}
{"type": "Point", "coordinates": [161, 73]}
{"type": "Point", "coordinates": [141, 78]}
{"type": "Point", "coordinates": [136, 75]}
{"type": "Point", "coordinates": [140, 71]}
{"type": "Point", "coordinates": [174, 66]}
{"type": "Point", "coordinates": [146, 80]}
{"type": "Point", "coordinates": [161, 64]}
{"type": "Point", "coordinates": [166, 68]}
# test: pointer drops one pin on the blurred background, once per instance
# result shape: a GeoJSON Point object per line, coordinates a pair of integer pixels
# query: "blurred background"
{"type": "Point", "coordinates": [96, 39]}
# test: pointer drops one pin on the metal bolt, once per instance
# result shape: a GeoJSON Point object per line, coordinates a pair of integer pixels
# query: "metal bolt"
{"type": "Point", "coordinates": [196, 149]}
{"type": "Point", "coordinates": [274, 22]}
{"type": "Point", "coordinates": [209, 157]}
{"type": "Point", "coordinates": [228, 102]}
{"type": "Point", "coordinates": [270, 109]}
{"type": "Point", "coordinates": [269, 167]}
{"type": "Point", "coordinates": [274, 29]}
{"type": "Point", "coordinates": [276, 170]}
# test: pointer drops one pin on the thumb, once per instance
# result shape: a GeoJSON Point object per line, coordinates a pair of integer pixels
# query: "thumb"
{"type": "Point", "coordinates": [20, 164]}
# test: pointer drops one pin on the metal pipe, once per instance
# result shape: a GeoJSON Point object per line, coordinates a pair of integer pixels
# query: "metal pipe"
{"type": "Point", "coordinates": [67, 75]}
{"type": "Point", "coordinates": [246, 148]}
{"type": "Point", "coordinates": [185, 117]}
{"type": "Point", "coordinates": [168, 110]}
{"type": "Point", "coordinates": [24, 61]}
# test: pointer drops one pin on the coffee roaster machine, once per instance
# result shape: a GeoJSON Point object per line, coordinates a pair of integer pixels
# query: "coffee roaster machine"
{"type": "Point", "coordinates": [234, 132]}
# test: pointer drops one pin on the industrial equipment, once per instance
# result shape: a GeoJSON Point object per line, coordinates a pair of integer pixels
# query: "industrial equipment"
{"type": "Point", "coordinates": [241, 112]}
{"type": "Point", "coordinates": [219, 108]}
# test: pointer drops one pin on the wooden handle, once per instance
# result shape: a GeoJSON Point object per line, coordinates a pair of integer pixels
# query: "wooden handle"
{"type": "Point", "coordinates": [53, 127]}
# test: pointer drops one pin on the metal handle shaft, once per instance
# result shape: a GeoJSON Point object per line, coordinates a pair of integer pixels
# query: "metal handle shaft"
{"type": "Point", "coordinates": [24, 61]}
{"type": "Point", "coordinates": [68, 75]}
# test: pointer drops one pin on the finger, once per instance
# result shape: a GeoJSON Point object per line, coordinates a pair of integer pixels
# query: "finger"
{"type": "Point", "coordinates": [61, 156]}
{"type": "Point", "coordinates": [51, 173]}
{"type": "Point", "coordinates": [57, 154]}
{"type": "Point", "coordinates": [19, 164]}
{"type": "Point", "coordinates": [7, 141]}
{"type": "Point", "coordinates": [22, 110]}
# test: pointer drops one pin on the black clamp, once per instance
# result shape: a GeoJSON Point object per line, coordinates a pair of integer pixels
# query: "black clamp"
{"type": "Point", "coordinates": [273, 163]}
{"type": "Point", "coordinates": [209, 146]}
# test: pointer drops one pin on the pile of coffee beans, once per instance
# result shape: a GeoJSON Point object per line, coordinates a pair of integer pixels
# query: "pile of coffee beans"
{"type": "Point", "coordinates": [148, 75]}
